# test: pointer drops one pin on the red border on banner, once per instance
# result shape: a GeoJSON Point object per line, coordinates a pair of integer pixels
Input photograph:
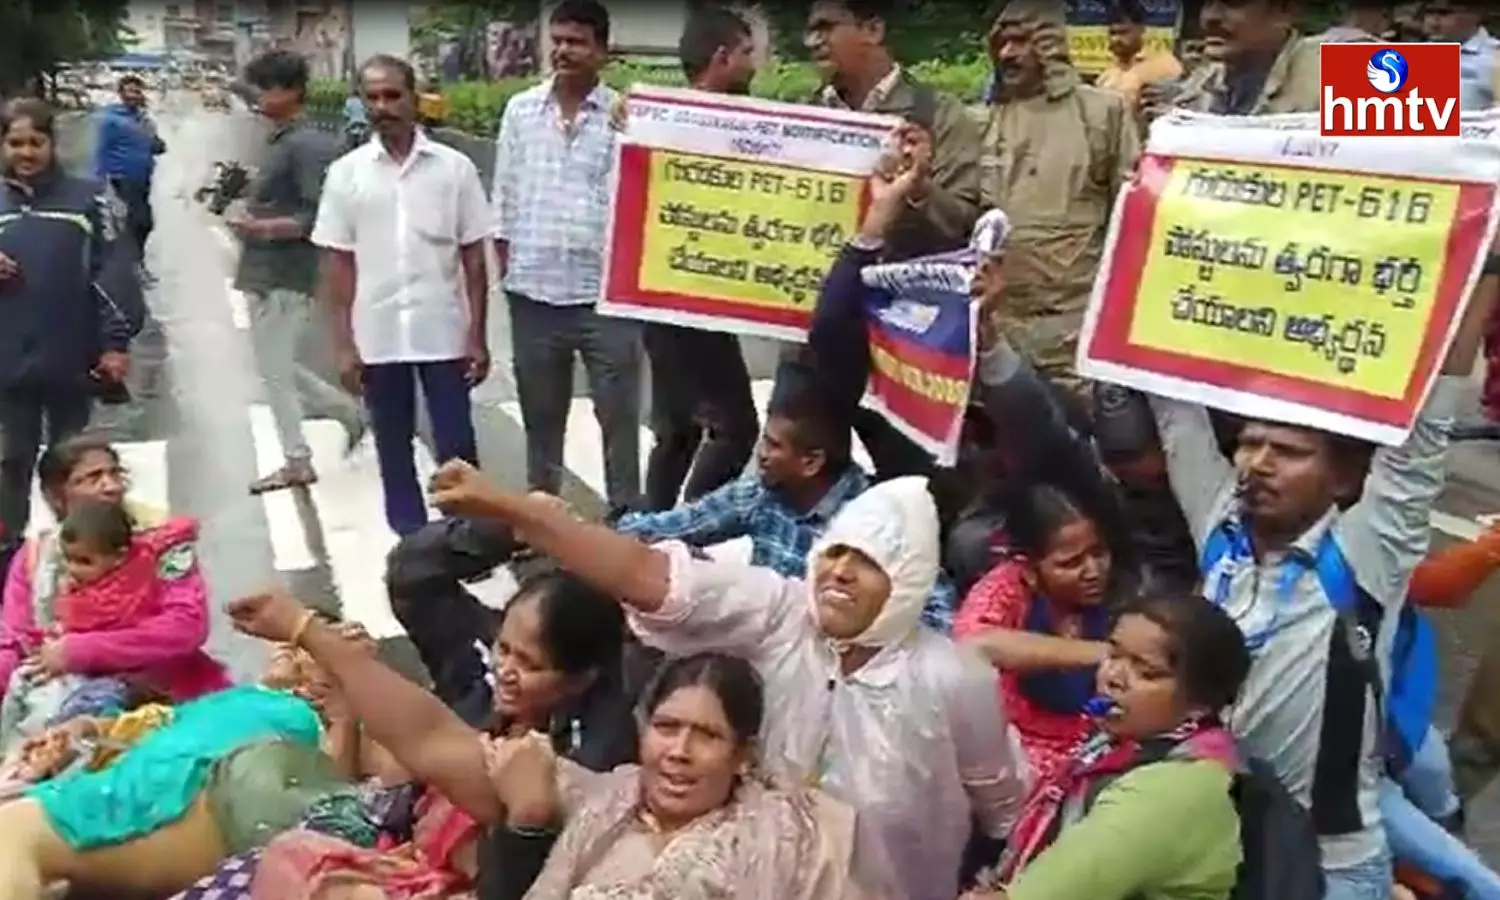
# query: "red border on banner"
{"type": "Point", "coordinates": [932, 418]}
{"type": "Point", "coordinates": [1110, 342]}
{"type": "Point", "coordinates": [628, 241]}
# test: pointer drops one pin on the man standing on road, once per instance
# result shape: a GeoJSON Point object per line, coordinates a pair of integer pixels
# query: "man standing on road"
{"type": "Point", "coordinates": [403, 220]}
{"type": "Point", "coordinates": [551, 199]}
{"type": "Point", "coordinates": [125, 151]}
{"type": "Point", "coordinates": [278, 265]}
{"type": "Point", "coordinates": [705, 425]}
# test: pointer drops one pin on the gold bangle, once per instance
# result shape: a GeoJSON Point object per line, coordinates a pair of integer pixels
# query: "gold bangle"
{"type": "Point", "coordinates": [303, 624]}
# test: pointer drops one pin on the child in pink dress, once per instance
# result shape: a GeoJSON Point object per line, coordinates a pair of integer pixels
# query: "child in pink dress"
{"type": "Point", "coordinates": [130, 603]}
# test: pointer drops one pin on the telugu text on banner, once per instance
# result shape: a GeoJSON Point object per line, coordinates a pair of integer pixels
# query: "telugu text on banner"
{"type": "Point", "coordinates": [921, 323]}
{"type": "Point", "coordinates": [727, 211]}
{"type": "Point", "coordinates": [1255, 266]}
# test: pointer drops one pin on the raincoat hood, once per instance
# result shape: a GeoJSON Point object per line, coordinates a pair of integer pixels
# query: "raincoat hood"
{"type": "Point", "coordinates": [895, 524]}
{"type": "Point", "coordinates": [1047, 20]}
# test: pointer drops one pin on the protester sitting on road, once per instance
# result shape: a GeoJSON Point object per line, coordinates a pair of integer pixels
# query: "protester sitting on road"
{"type": "Point", "coordinates": [1019, 430]}
{"type": "Point", "coordinates": [1142, 808]}
{"type": "Point", "coordinates": [119, 613]}
{"type": "Point", "coordinates": [1271, 526]}
{"type": "Point", "coordinates": [560, 668]}
{"type": "Point", "coordinates": [170, 808]}
{"type": "Point", "coordinates": [167, 637]}
{"type": "Point", "coordinates": [62, 335]}
{"type": "Point", "coordinates": [1042, 617]}
{"type": "Point", "coordinates": [804, 476]}
{"type": "Point", "coordinates": [868, 704]}
{"type": "Point", "coordinates": [733, 833]}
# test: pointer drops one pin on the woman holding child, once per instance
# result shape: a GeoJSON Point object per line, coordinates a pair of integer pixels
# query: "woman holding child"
{"type": "Point", "coordinates": [113, 592]}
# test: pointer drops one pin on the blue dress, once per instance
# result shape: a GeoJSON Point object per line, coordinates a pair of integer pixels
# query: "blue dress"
{"type": "Point", "coordinates": [154, 783]}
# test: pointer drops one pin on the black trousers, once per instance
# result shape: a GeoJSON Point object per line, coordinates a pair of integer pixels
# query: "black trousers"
{"type": "Point", "coordinates": [28, 415]}
{"type": "Point", "coordinates": [139, 220]}
{"type": "Point", "coordinates": [702, 412]}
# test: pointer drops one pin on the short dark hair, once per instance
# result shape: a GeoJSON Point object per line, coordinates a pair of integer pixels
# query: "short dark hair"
{"type": "Point", "coordinates": [707, 31]}
{"type": "Point", "coordinates": [38, 112]}
{"type": "Point", "coordinates": [394, 64]}
{"type": "Point", "coordinates": [105, 527]}
{"type": "Point", "coordinates": [1128, 11]}
{"type": "Point", "coordinates": [868, 10]}
{"type": "Point", "coordinates": [1205, 648]}
{"type": "Point", "coordinates": [815, 426]}
{"type": "Point", "coordinates": [731, 679]}
{"type": "Point", "coordinates": [589, 13]}
{"type": "Point", "coordinates": [130, 80]}
{"type": "Point", "coordinates": [279, 69]}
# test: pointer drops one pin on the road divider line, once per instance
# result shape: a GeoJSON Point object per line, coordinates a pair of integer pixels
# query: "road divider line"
{"type": "Point", "coordinates": [1455, 526]}
{"type": "Point", "coordinates": [351, 509]}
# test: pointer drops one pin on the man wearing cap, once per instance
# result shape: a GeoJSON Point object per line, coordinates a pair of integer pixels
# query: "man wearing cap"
{"type": "Point", "coordinates": [1056, 153]}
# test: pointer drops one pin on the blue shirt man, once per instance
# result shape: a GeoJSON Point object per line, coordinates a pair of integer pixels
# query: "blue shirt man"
{"type": "Point", "coordinates": [125, 152]}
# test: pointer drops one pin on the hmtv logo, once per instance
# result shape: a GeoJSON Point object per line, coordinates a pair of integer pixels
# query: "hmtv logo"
{"type": "Point", "coordinates": [1390, 90]}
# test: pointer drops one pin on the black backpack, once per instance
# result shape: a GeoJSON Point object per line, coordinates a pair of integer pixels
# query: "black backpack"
{"type": "Point", "coordinates": [1278, 840]}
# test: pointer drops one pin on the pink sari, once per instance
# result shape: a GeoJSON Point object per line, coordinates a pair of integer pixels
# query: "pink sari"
{"type": "Point", "coordinates": [299, 864]}
{"type": "Point", "coordinates": [765, 844]}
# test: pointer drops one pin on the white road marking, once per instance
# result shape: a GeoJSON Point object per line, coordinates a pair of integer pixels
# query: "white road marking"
{"type": "Point", "coordinates": [239, 306]}
{"type": "Point", "coordinates": [351, 508]}
{"type": "Point", "coordinates": [1454, 526]}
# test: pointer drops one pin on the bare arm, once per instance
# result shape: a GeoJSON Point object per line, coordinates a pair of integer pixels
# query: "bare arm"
{"type": "Point", "coordinates": [477, 288]}
{"type": "Point", "coordinates": [418, 730]}
{"type": "Point", "coordinates": [342, 744]}
{"type": "Point", "coordinates": [337, 288]}
{"type": "Point", "coordinates": [1025, 651]}
{"type": "Point", "coordinates": [635, 574]}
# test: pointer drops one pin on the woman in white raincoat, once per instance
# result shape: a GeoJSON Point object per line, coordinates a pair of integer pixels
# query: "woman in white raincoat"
{"type": "Point", "coordinates": [861, 700]}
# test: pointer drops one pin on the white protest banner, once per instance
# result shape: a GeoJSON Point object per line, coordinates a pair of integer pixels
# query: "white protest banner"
{"type": "Point", "coordinates": [1255, 266]}
{"type": "Point", "coordinates": [726, 212]}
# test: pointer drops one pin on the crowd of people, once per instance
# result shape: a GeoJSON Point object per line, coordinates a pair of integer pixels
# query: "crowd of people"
{"type": "Point", "coordinates": [1125, 647]}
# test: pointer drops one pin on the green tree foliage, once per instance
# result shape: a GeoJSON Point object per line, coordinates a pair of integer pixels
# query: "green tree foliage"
{"type": "Point", "coordinates": [464, 22]}
{"type": "Point", "coordinates": [38, 35]}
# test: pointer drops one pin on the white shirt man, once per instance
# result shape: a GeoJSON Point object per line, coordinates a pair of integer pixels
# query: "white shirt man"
{"type": "Point", "coordinates": [414, 228]}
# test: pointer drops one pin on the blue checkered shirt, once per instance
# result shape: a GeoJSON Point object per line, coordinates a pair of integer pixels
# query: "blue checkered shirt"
{"type": "Point", "coordinates": [780, 536]}
{"type": "Point", "coordinates": [551, 194]}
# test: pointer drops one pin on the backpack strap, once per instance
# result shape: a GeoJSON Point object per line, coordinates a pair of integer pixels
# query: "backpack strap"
{"type": "Point", "coordinates": [1353, 673]}
{"type": "Point", "coordinates": [1359, 616]}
